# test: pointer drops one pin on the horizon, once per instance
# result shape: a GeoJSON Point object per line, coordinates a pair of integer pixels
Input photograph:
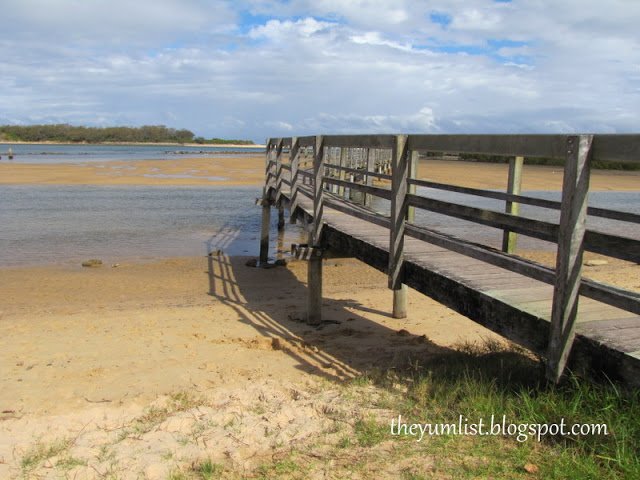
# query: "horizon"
{"type": "Point", "coordinates": [269, 68]}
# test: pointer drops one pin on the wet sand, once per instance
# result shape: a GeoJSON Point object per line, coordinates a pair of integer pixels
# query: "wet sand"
{"type": "Point", "coordinates": [249, 170]}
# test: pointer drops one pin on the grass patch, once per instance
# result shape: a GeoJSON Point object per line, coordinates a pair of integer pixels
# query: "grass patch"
{"type": "Point", "coordinates": [155, 415]}
{"type": "Point", "coordinates": [284, 468]}
{"type": "Point", "coordinates": [177, 475]}
{"type": "Point", "coordinates": [68, 463]}
{"type": "Point", "coordinates": [42, 452]}
{"type": "Point", "coordinates": [208, 470]}
{"type": "Point", "coordinates": [479, 381]}
{"type": "Point", "coordinates": [369, 432]}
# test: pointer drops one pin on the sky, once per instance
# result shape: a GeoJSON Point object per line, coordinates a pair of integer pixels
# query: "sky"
{"type": "Point", "coordinates": [269, 68]}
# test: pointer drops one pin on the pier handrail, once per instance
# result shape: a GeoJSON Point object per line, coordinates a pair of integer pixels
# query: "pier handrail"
{"type": "Point", "coordinates": [570, 234]}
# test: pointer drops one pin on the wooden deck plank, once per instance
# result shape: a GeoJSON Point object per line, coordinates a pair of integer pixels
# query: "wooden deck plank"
{"type": "Point", "coordinates": [616, 323]}
{"type": "Point", "coordinates": [520, 295]}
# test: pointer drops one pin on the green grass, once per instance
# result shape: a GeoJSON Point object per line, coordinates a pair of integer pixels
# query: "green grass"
{"type": "Point", "coordinates": [369, 432]}
{"type": "Point", "coordinates": [284, 468]}
{"type": "Point", "coordinates": [41, 452]}
{"type": "Point", "coordinates": [483, 380]}
{"type": "Point", "coordinates": [476, 381]}
{"type": "Point", "coordinates": [155, 415]}
{"type": "Point", "coordinates": [208, 470]}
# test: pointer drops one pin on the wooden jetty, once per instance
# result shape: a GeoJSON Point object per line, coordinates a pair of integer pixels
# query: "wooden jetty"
{"type": "Point", "coordinates": [328, 182]}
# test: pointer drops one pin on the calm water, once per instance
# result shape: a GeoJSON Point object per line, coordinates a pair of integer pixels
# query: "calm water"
{"type": "Point", "coordinates": [38, 153]}
{"type": "Point", "coordinates": [61, 224]}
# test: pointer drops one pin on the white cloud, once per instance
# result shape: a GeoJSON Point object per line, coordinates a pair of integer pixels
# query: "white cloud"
{"type": "Point", "coordinates": [376, 39]}
{"type": "Point", "coordinates": [305, 67]}
{"type": "Point", "coordinates": [279, 126]}
{"type": "Point", "coordinates": [475, 19]}
{"type": "Point", "coordinates": [276, 30]}
{"type": "Point", "coordinates": [115, 22]}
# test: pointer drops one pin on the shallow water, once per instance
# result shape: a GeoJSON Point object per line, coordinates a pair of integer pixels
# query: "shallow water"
{"type": "Point", "coordinates": [58, 224]}
{"type": "Point", "coordinates": [48, 154]}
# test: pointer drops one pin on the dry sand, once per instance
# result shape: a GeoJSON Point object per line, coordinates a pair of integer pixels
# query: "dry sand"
{"type": "Point", "coordinates": [84, 351]}
{"type": "Point", "coordinates": [139, 370]}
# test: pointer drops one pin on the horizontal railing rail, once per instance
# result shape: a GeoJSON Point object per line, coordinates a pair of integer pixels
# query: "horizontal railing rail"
{"type": "Point", "coordinates": [605, 147]}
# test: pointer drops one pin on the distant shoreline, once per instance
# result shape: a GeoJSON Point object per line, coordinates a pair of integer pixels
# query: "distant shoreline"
{"type": "Point", "coordinates": [162, 144]}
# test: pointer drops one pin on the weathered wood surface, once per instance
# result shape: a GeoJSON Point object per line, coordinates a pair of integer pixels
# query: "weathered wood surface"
{"type": "Point", "coordinates": [614, 147]}
{"type": "Point", "coordinates": [512, 296]}
{"type": "Point", "coordinates": [514, 186]}
{"type": "Point", "coordinates": [510, 304]}
{"type": "Point", "coordinates": [604, 243]}
{"type": "Point", "coordinates": [571, 244]}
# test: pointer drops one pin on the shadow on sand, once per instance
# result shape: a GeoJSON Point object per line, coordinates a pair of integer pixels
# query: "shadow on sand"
{"type": "Point", "coordinates": [273, 302]}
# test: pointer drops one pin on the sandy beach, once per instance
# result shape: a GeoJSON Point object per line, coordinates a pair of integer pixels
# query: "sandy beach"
{"type": "Point", "coordinates": [217, 347]}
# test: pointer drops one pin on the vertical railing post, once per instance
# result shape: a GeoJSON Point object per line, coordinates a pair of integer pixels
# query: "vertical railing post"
{"type": "Point", "coordinates": [413, 174]}
{"type": "Point", "coordinates": [314, 270]}
{"type": "Point", "coordinates": [573, 213]}
{"type": "Point", "coordinates": [342, 173]}
{"type": "Point", "coordinates": [278, 160]}
{"type": "Point", "coordinates": [267, 167]}
{"type": "Point", "coordinates": [368, 179]}
{"type": "Point", "coordinates": [318, 192]}
{"type": "Point", "coordinates": [400, 173]}
{"type": "Point", "coordinates": [333, 170]}
{"type": "Point", "coordinates": [295, 163]}
{"type": "Point", "coordinates": [514, 187]}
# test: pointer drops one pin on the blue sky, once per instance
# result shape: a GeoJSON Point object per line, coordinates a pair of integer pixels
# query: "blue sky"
{"type": "Point", "coordinates": [264, 68]}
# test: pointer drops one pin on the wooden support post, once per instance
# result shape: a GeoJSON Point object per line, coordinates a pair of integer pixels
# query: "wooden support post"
{"type": "Point", "coordinates": [280, 244]}
{"type": "Point", "coordinates": [264, 236]}
{"type": "Point", "coordinates": [295, 164]}
{"type": "Point", "coordinates": [509, 239]}
{"type": "Point", "coordinates": [368, 179]}
{"type": "Point", "coordinates": [413, 173]}
{"type": "Point", "coordinates": [400, 302]}
{"type": "Point", "coordinates": [280, 217]}
{"type": "Point", "coordinates": [314, 270]}
{"type": "Point", "coordinates": [400, 173]}
{"type": "Point", "coordinates": [575, 189]}
{"type": "Point", "coordinates": [266, 205]}
{"type": "Point", "coordinates": [314, 282]}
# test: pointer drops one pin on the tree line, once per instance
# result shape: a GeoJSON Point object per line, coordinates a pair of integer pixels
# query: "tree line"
{"type": "Point", "coordinates": [598, 164]}
{"type": "Point", "coordinates": [66, 133]}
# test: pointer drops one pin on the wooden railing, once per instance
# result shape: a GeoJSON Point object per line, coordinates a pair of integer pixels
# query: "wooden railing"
{"type": "Point", "coordinates": [325, 168]}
